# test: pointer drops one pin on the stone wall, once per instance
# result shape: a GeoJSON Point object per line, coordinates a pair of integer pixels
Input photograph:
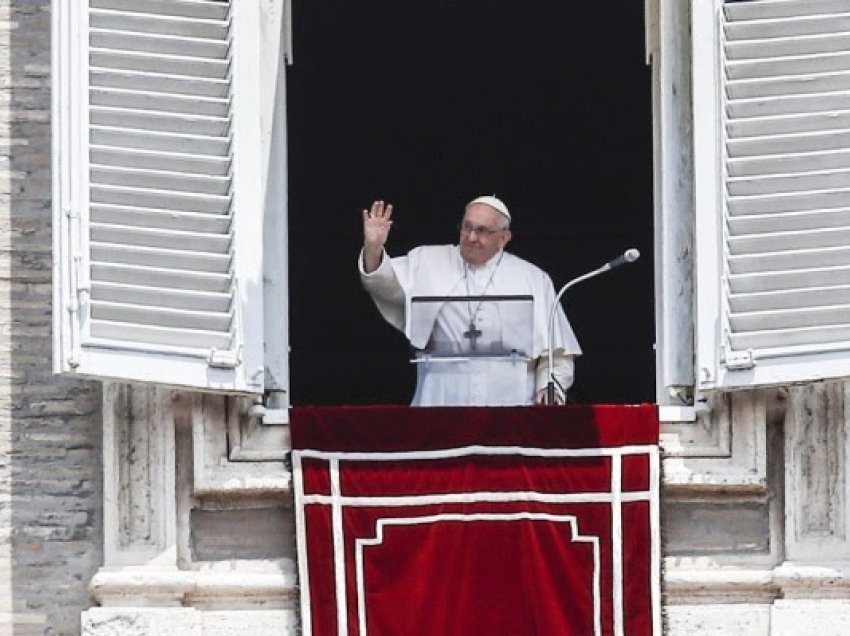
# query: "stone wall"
{"type": "Point", "coordinates": [50, 428]}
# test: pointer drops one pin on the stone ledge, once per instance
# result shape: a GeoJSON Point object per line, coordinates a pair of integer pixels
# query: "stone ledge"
{"type": "Point", "coordinates": [152, 587]}
{"type": "Point", "coordinates": [130, 621]}
{"type": "Point", "coordinates": [813, 581]}
{"type": "Point", "coordinates": [703, 584]}
{"type": "Point", "coordinates": [679, 480]}
{"type": "Point", "coordinates": [706, 585]}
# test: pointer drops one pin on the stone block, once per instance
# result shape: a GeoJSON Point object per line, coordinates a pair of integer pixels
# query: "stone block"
{"type": "Point", "coordinates": [115, 621]}
{"type": "Point", "coordinates": [823, 617]}
{"type": "Point", "coordinates": [719, 620]}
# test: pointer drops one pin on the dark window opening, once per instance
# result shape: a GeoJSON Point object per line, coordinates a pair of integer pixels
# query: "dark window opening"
{"type": "Point", "coordinates": [428, 104]}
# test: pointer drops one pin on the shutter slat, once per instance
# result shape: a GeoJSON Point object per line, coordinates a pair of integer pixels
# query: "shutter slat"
{"type": "Point", "coordinates": [163, 219]}
{"type": "Point", "coordinates": [788, 163]}
{"type": "Point", "coordinates": [787, 183]}
{"type": "Point", "coordinates": [791, 318]}
{"type": "Point", "coordinates": [161, 277]}
{"type": "Point", "coordinates": [793, 85]}
{"type": "Point", "coordinates": [787, 47]}
{"type": "Point", "coordinates": [161, 297]}
{"type": "Point", "coordinates": [165, 44]}
{"type": "Point", "coordinates": [160, 316]}
{"type": "Point", "coordinates": [770, 242]}
{"type": "Point", "coordinates": [806, 220]}
{"type": "Point", "coordinates": [168, 64]}
{"type": "Point", "coordinates": [160, 180]}
{"type": "Point", "coordinates": [170, 161]}
{"type": "Point", "coordinates": [151, 334]}
{"type": "Point", "coordinates": [178, 201]}
{"type": "Point", "coordinates": [161, 83]}
{"type": "Point", "coordinates": [787, 144]}
{"type": "Point", "coordinates": [160, 122]}
{"type": "Point", "coordinates": [788, 27]}
{"type": "Point", "coordinates": [782, 9]}
{"type": "Point", "coordinates": [171, 259]}
{"type": "Point", "coordinates": [785, 338]}
{"type": "Point", "coordinates": [789, 124]}
{"type": "Point", "coordinates": [781, 280]}
{"type": "Point", "coordinates": [203, 9]}
{"type": "Point", "coordinates": [168, 239]}
{"type": "Point", "coordinates": [146, 100]}
{"type": "Point", "coordinates": [159, 24]}
{"type": "Point", "coordinates": [789, 260]}
{"type": "Point", "coordinates": [784, 66]}
{"type": "Point", "coordinates": [791, 299]}
{"type": "Point", "coordinates": [787, 202]}
{"type": "Point", "coordinates": [154, 140]}
{"type": "Point", "coordinates": [788, 105]}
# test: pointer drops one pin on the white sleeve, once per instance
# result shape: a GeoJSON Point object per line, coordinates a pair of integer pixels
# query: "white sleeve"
{"type": "Point", "coordinates": [382, 284]}
{"type": "Point", "coordinates": [563, 369]}
{"type": "Point", "coordinates": [385, 289]}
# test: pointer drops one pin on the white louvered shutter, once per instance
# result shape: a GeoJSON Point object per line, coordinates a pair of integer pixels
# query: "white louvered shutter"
{"type": "Point", "coordinates": [157, 192]}
{"type": "Point", "coordinates": [772, 177]}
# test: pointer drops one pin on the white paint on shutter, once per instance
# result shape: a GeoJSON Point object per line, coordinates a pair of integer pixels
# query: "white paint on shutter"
{"type": "Point", "coordinates": [772, 126]}
{"type": "Point", "coordinates": [165, 210]}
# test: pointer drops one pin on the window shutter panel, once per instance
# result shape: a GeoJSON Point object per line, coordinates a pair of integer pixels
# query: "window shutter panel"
{"type": "Point", "coordinates": [157, 192]}
{"type": "Point", "coordinates": [772, 182]}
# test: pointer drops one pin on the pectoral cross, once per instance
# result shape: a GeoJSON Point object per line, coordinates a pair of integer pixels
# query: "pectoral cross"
{"type": "Point", "coordinates": [473, 334]}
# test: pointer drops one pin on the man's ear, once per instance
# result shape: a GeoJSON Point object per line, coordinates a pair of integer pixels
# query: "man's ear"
{"type": "Point", "coordinates": [506, 238]}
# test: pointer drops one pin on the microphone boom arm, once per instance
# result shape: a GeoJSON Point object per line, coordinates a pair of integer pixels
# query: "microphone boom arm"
{"type": "Point", "coordinates": [550, 386]}
{"type": "Point", "coordinates": [629, 256]}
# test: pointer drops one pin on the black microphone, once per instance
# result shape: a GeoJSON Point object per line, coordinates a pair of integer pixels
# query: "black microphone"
{"type": "Point", "coordinates": [629, 256]}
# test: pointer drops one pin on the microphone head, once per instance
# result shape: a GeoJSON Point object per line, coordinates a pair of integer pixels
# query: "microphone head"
{"type": "Point", "coordinates": [631, 255]}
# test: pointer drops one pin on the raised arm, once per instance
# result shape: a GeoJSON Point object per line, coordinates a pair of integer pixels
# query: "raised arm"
{"type": "Point", "coordinates": [377, 222]}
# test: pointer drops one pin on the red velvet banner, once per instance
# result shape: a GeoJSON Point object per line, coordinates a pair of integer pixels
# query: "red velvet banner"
{"type": "Point", "coordinates": [477, 521]}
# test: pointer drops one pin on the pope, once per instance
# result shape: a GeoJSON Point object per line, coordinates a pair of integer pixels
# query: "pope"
{"type": "Point", "coordinates": [477, 267]}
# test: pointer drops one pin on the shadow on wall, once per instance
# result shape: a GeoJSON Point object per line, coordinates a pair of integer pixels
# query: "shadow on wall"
{"type": "Point", "coordinates": [50, 427]}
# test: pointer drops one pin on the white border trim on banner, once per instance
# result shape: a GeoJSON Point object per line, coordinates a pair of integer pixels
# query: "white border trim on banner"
{"type": "Point", "coordinates": [571, 520]}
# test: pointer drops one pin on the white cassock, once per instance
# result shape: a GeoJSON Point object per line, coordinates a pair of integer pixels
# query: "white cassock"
{"type": "Point", "coordinates": [439, 270]}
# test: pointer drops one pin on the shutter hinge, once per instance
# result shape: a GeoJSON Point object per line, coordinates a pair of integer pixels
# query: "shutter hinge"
{"type": "Point", "coordinates": [223, 359]}
{"type": "Point", "coordinates": [76, 286]}
{"type": "Point", "coordinates": [739, 360]}
{"type": "Point", "coordinates": [81, 286]}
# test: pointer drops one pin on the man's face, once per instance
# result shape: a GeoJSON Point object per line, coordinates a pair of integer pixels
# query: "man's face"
{"type": "Point", "coordinates": [481, 234]}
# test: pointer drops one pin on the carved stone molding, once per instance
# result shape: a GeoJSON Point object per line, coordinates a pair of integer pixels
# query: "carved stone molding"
{"type": "Point", "coordinates": [139, 489]}
{"type": "Point", "coordinates": [141, 508]}
{"type": "Point", "coordinates": [815, 472]}
{"type": "Point", "coordinates": [249, 440]}
{"type": "Point", "coordinates": [709, 436]}
{"type": "Point", "coordinates": [725, 450]}
{"type": "Point", "coordinates": [219, 424]}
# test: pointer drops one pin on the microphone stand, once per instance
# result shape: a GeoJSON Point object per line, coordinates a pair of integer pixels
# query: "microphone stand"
{"type": "Point", "coordinates": [629, 256]}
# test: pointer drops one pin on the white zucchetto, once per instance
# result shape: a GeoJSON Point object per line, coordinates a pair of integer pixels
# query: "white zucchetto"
{"type": "Point", "coordinates": [494, 203]}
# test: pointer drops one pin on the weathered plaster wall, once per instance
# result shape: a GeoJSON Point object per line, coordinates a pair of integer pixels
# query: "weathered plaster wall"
{"type": "Point", "coordinates": [50, 432]}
